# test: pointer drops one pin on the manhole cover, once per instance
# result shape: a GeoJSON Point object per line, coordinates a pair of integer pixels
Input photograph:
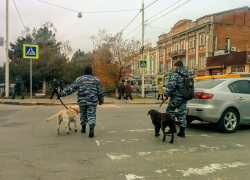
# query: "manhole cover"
{"type": "Point", "coordinates": [120, 117]}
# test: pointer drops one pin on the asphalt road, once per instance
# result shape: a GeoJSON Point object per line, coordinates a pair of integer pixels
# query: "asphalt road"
{"type": "Point", "coordinates": [124, 148]}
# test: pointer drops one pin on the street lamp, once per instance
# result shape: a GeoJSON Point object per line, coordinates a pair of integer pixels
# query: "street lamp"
{"type": "Point", "coordinates": [79, 15]}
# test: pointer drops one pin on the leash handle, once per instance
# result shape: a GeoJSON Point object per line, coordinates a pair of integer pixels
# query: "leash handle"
{"type": "Point", "coordinates": [63, 103]}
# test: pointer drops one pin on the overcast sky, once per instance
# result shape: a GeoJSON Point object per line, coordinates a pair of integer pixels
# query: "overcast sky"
{"type": "Point", "coordinates": [78, 30]}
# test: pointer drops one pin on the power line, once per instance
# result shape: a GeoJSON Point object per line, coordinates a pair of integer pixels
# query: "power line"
{"type": "Point", "coordinates": [150, 4]}
{"type": "Point", "coordinates": [168, 12]}
{"type": "Point", "coordinates": [19, 14]}
{"type": "Point", "coordinates": [164, 10]}
{"type": "Point", "coordinates": [131, 21]}
{"type": "Point", "coordinates": [157, 27]}
{"type": "Point", "coordinates": [138, 33]}
{"type": "Point", "coordinates": [132, 30]}
{"type": "Point", "coordinates": [88, 11]}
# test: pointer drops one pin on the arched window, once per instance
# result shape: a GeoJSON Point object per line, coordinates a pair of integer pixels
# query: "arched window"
{"type": "Point", "coordinates": [154, 63]}
{"type": "Point", "coordinates": [151, 63]}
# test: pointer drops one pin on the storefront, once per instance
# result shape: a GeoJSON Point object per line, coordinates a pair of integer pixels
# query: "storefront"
{"type": "Point", "coordinates": [229, 63]}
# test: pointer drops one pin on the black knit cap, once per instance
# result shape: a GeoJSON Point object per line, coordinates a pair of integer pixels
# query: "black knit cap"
{"type": "Point", "coordinates": [179, 64]}
{"type": "Point", "coordinates": [88, 70]}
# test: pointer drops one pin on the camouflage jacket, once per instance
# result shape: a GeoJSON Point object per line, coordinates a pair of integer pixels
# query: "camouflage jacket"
{"type": "Point", "coordinates": [89, 90]}
{"type": "Point", "coordinates": [176, 84]}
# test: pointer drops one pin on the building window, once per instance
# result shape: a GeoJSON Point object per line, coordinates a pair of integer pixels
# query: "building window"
{"type": "Point", "coordinates": [154, 63]}
{"type": "Point", "coordinates": [184, 62]}
{"type": "Point", "coordinates": [168, 66]}
{"type": "Point", "coordinates": [228, 44]}
{"type": "Point", "coordinates": [190, 43]}
{"type": "Point", "coordinates": [184, 44]}
{"type": "Point", "coordinates": [177, 46]}
{"type": "Point", "coordinates": [202, 62]}
{"type": "Point", "coordinates": [151, 63]}
{"type": "Point", "coordinates": [191, 63]}
{"type": "Point", "coordinates": [200, 39]}
{"type": "Point", "coordinates": [194, 41]}
{"type": "Point", "coordinates": [161, 67]}
{"type": "Point", "coordinates": [181, 45]}
{"type": "Point", "coordinates": [167, 50]}
{"type": "Point", "coordinates": [215, 43]}
{"type": "Point", "coordinates": [204, 41]}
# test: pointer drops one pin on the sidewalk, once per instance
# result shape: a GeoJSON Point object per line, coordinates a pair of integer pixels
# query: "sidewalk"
{"type": "Point", "coordinates": [46, 101]}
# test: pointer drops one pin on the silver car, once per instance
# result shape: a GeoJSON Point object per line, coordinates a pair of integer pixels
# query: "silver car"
{"type": "Point", "coordinates": [225, 102]}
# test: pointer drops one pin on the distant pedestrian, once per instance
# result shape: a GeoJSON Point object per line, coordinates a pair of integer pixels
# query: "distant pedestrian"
{"type": "Point", "coordinates": [122, 90]}
{"type": "Point", "coordinates": [61, 85]}
{"type": "Point", "coordinates": [54, 87]}
{"type": "Point", "coordinates": [128, 91]}
{"type": "Point", "coordinates": [160, 91]}
{"type": "Point", "coordinates": [17, 89]}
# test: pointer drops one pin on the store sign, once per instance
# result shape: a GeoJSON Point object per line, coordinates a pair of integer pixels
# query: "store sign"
{"type": "Point", "coordinates": [148, 81]}
{"type": "Point", "coordinates": [238, 69]}
{"type": "Point", "coordinates": [216, 71]}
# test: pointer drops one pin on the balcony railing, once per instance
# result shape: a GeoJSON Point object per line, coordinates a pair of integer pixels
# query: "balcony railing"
{"type": "Point", "coordinates": [177, 53]}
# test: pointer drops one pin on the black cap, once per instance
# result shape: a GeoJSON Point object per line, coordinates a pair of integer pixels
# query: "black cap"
{"type": "Point", "coordinates": [88, 70]}
{"type": "Point", "coordinates": [179, 64]}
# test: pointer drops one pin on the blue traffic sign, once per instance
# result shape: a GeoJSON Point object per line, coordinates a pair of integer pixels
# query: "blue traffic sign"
{"type": "Point", "coordinates": [30, 51]}
{"type": "Point", "coordinates": [143, 64]}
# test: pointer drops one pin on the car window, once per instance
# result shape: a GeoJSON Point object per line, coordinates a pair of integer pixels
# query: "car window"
{"type": "Point", "coordinates": [208, 83]}
{"type": "Point", "coordinates": [241, 87]}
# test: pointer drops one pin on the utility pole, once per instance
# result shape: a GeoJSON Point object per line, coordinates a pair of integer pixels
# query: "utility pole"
{"type": "Point", "coordinates": [7, 51]}
{"type": "Point", "coordinates": [142, 39]}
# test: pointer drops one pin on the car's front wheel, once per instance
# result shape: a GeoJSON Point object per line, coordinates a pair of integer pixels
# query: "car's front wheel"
{"type": "Point", "coordinates": [229, 121]}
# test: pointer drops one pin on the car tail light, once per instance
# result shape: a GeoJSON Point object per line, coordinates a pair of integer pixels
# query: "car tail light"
{"type": "Point", "coordinates": [201, 95]}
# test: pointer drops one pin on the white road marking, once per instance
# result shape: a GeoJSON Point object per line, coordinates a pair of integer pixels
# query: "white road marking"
{"type": "Point", "coordinates": [110, 141]}
{"type": "Point", "coordinates": [143, 153]}
{"type": "Point", "coordinates": [210, 169]}
{"type": "Point", "coordinates": [139, 130]}
{"type": "Point", "coordinates": [238, 145]}
{"type": "Point", "coordinates": [122, 139]}
{"type": "Point", "coordinates": [205, 135]}
{"type": "Point", "coordinates": [132, 176]}
{"type": "Point", "coordinates": [112, 131]}
{"type": "Point", "coordinates": [118, 157]}
{"type": "Point", "coordinates": [160, 171]}
{"type": "Point", "coordinates": [98, 143]}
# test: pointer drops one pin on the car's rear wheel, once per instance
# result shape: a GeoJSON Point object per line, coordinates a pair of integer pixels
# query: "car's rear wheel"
{"type": "Point", "coordinates": [229, 121]}
{"type": "Point", "coordinates": [189, 121]}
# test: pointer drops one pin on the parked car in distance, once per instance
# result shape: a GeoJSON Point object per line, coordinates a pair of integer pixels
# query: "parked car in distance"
{"type": "Point", "coordinates": [222, 101]}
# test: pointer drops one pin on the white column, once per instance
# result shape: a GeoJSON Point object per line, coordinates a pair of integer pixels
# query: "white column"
{"type": "Point", "coordinates": [186, 42]}
{"type": "Point", "coordinates": [197, 49]}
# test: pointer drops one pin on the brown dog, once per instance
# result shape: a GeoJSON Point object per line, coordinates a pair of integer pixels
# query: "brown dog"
{"type": "Point", "coordinates": [67, 115]}
{"type": "Point", "coordinates": [162, 120]}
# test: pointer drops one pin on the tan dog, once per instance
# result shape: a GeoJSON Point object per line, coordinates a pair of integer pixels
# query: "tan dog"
{"type": "Point", "coordinates": [67, 115]}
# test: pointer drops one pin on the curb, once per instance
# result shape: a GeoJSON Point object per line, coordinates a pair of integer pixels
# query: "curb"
{"type": "Point", "coordinates": [43, 104]}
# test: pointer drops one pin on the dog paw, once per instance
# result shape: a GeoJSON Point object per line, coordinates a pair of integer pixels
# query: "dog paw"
{"type": "Point", "coordinates": [67, 132]}
{"type": "Point", "coordinates": [163, 140]}
{"type": "Point", "coordinates": [75, 130]}
{"type": "Point", "coordinates": [69, 128]}
{"type": "Point", "coordinates": [171, 142]}
{"type": "Point", "coordinates": [58, 133]}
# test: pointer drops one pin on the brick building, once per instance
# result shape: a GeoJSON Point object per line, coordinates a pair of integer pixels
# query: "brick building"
{"type": "Point", "coordinates": [211, 35]}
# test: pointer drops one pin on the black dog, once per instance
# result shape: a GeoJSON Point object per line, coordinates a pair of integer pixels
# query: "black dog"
{"type": "Point", "coordinates": [162, 120]}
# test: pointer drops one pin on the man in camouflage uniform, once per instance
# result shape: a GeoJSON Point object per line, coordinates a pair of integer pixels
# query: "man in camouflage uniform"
{"type": "Point", "coordinates": [89, 93]}
{"type": "Point", "coordinates": [174, 90]}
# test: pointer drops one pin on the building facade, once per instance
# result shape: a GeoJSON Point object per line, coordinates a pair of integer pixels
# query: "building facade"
{"type": "Point", "coordinates": [193, 42]}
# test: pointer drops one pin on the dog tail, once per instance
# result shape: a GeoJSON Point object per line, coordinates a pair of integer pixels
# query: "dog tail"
{"type": "Point", "coordinates": [176, 122]}
{"type": "Point", "coordinates": [49, 119]}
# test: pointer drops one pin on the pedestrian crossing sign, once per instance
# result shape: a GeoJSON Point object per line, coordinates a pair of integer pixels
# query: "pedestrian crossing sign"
{"type": "Point", "coordinates": [30, 51]}
{"type": "Point", "coordinates": [143, 64]}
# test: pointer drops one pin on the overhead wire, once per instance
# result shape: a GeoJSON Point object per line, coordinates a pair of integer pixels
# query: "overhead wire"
{"type": "Point", "coordinates": [19, 14]}
{"type": "Point", "coordinates": [164, 10]}
{"type": "Point", "coordinates": [88, 11]}
{"type": "Point", "coordinates": [132, 30]}
{"type": "Point", "coordinates": [131, 21]}
{"type": "Point", "coordinates": [157, 27]}
{"type": "Point", "coordinates": [156, 19]}
{"type": "Point", "coordinates": [150, 4]}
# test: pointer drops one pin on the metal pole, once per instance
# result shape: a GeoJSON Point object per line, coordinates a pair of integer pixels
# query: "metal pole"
{"type": "Point", "coordinates": [30, 80]}
{"type": "Point", "coordinates": [142, 39]}
{"type": "Point", "coordinates": [7, 83]}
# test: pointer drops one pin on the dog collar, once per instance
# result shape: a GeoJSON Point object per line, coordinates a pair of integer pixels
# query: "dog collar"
{"type": "Point", "coordinates": [74, 110]}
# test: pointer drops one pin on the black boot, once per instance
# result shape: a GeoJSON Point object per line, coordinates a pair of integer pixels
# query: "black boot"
{"type": "Point", "coordinates": [83, 129]}
{"type": "Point", "coordinates": [169, 131]}
{"type": "Point", "coordinates": [182, 132]}
{"type": "Point", "coordinates": [91, 131]}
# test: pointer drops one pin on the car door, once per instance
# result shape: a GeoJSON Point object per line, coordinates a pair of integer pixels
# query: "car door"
{"type": "Point", "coordinates": [241, 92]}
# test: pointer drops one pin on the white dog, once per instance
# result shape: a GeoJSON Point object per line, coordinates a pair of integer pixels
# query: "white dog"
{"type": "Point", "coordinates": [67, 115]}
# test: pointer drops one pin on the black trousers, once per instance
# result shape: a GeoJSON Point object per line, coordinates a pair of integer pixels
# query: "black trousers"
{"type": "Point", "coordinates": [61, 89]}
{"type": "Point", "coordinates": [55, 91]}
{"type": "Point", "coordinates": [128, 94]}
{"type": "Point", "coordinates": [160, 95]}
{"type": "Point", "coordinates": [120, 95]}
